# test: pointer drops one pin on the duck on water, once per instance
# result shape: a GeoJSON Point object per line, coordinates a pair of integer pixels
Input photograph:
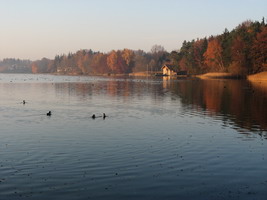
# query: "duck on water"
{"type": "Point", "coordinates": [49, 113]}
{"type": "Point", "coordinates": [94, 116]}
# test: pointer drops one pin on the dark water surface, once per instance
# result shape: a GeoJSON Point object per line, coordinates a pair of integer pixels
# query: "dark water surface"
{"type": "Point", "coordinates": [162, 139]}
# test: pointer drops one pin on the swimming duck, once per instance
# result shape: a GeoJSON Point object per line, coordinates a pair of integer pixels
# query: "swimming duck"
{"type": "Point", "coordinates": [93, 116]}
{"type": "Point", "coordinates": [49, 113]}
{"type": "Point", "coordinates": [104, 115]}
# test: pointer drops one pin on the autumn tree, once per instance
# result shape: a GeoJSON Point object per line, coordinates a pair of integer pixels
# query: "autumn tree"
{"type": "Point", "coordinates": [112, 61]}
{"type": "Point", "coordinates": [238, 65]}
{"type": "Point", "coordinates": [122, 66]}
{"type": "Point", "coordinates": [128, 56]}
{"type": "Point", "coordinates": [259, 51]}
{"type": "Point", "coordinates": [213, 55]}
{"type": "Point", "coordinates": [80, 59]}
{"type": "Point", "coordinates": [243, 36]}
{"type": "Point", "coordinates": [99, 63]}
{"type": "Point", "coordinates": [117, 63]}
{"type": "Point", "coordinates": [43, 66]}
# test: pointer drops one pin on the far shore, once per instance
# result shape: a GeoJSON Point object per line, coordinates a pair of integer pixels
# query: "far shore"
{"type": "Point", "coordinates": [259, 77]}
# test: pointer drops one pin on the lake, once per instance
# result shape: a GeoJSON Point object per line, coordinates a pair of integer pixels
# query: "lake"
{"type": "Point", "coordinates": [162, 138]}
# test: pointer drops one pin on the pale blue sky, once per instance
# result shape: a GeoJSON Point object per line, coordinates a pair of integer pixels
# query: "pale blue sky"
{"type": "Point", "coordinates": [32, 29]}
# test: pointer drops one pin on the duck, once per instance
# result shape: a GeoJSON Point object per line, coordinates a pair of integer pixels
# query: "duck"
{"type": "Point", "coordinates": [93, 116]}
{"type": "Point", "coordinates": [49, 113]}
{"type": "Point", "coordinates": [104, 115]}
{"type": "Point", "coordinates": [23, 102]}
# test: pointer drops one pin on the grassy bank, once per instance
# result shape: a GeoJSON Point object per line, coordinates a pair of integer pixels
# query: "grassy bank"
{"type": "Point", "coordinates": [258, 77]}
{"type": "Point", "coordinates": [145, 73]}
{"type": "Point", "coordinates": [217, 75]}
{"type": "Point", "coordinates": [139, 74]}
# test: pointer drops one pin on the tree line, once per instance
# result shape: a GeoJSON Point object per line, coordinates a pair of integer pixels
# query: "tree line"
{"type": "Point", "coordinates": [87, 62]}
{"type": "Point", "coordinates": [242, 51]}
{"type": "Point", "coordinates": [12, 65]}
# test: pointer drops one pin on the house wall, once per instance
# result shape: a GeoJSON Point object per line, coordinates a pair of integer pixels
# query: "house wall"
{"type": "Point", "coordinates": [169, 72]}
{"type": "Point", "coordinates": [165, 70]}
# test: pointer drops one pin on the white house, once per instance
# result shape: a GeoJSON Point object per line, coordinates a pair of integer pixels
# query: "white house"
{"type": "Point", "coordinates": [168, 70]}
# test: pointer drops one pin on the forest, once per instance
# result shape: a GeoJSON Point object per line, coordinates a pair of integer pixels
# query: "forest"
{"type": "Point", "coordinates": [12, 65]}
{"type": "Point", "coordinates": [88, 62]}
{"type": "Point", "coordinates": [241, 51]}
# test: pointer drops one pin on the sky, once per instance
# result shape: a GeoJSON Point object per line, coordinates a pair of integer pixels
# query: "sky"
{"type": "Point", "coordinates": [33, 29]}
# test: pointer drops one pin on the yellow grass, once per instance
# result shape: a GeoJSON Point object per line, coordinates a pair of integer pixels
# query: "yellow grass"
{"type": "Point", "coordinates": [145, 73]}
{"type": "Point", "coordinates": [258, 77]}
{"type": "Point", "coordinates": [139, 74]}
{"type": "Point", "coordinates": [216, 75]}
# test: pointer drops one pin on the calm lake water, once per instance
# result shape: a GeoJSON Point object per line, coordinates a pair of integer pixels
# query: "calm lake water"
{"type": "Point", "coordinates": [162, 139]}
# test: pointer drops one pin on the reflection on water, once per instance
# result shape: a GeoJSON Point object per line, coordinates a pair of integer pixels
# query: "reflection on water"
{"type": "Point", "coordinates": [162, 139]}
{"type": "Point", "coordinates": [238, 103]}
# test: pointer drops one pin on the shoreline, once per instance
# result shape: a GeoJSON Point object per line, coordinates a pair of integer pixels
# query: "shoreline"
{"type": "Point", "coordinates": [262, 76]}
{"type": "Point", "coordinates": [218, 75]}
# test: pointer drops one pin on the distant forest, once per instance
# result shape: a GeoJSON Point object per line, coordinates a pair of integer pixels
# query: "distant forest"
{"type": "Point", "coordinates": [88, 62]}
{"type": "Point", "coordinates": [11, 65]}
{"type": "Point", "coordinates": [242, 51]}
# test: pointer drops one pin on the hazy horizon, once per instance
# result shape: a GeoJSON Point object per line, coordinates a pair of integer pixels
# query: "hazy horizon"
{"type": "Point", "coordinates": [36, 29]}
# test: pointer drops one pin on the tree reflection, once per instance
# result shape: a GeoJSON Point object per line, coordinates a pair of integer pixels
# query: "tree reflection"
{"type": "Point", "coordinates": [237, 103]}
{"type": "Point", "coordinates": [241, 102]}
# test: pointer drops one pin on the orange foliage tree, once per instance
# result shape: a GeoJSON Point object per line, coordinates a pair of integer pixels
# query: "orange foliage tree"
{"type": "Point", "coordinates": [238, 64]}
{"type": "Point", "coordinates": [112, 60]}
{"type": "Point", "coordinates": [120, 61]}
{"type": "Point", "coordinates": [213, 56]}
{"type": "Point", "coordinates": [43, 66]}
{"type": "Point", "coordinates": [80, 59]}
{"type": "Point", "coordinates": [127, 55]}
